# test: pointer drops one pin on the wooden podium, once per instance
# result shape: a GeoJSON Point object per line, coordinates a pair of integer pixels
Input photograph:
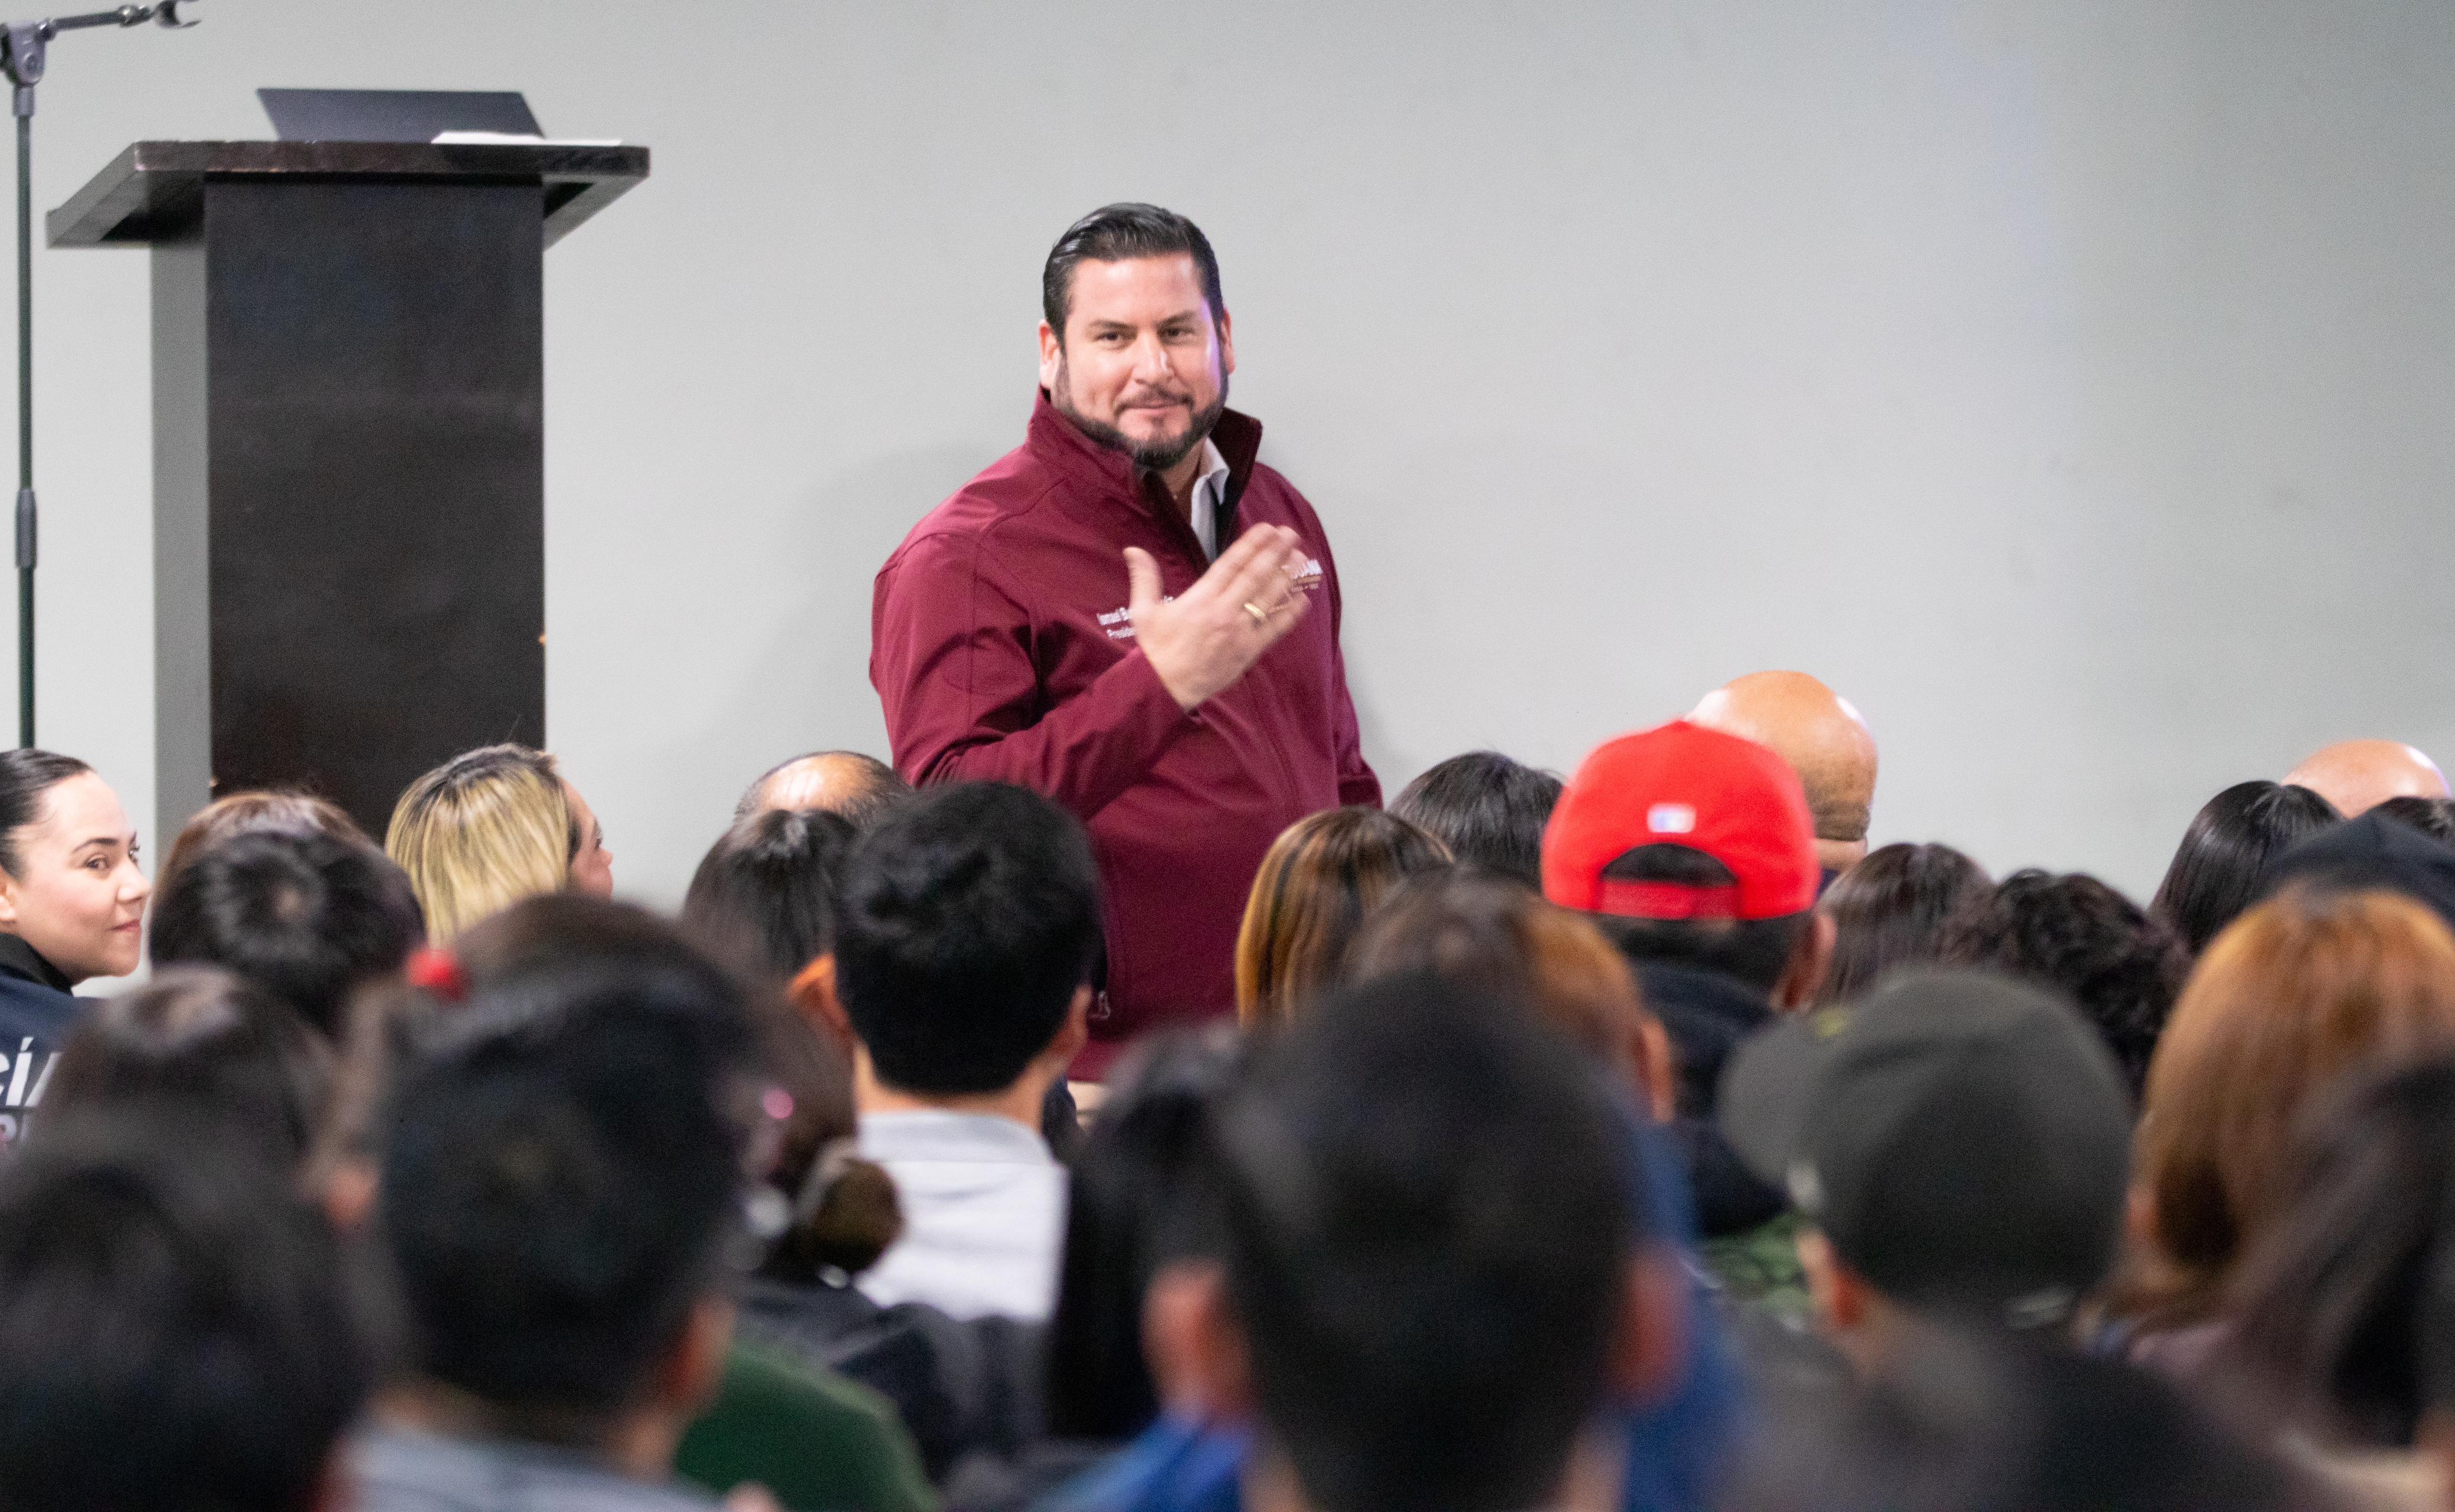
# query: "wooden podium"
{"type": "Point", "coordinates": [349, 450]}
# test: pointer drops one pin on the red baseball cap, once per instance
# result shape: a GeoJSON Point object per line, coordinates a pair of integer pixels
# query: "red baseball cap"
{"type": "Point", "coordinates": [1683, 785]}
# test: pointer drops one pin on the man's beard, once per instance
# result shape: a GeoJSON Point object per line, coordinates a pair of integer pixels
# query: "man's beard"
{"type": "Point", "coordinates": [1156, 456]}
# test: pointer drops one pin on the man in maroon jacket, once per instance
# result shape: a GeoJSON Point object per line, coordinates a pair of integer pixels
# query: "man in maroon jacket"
{"type": "Point", "coordinates": [1130, 614]}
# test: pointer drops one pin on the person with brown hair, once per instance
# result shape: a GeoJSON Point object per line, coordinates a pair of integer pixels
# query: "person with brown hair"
{"type": "Point", "coordinates": [2302, 990]}
{"type": "Point", "coordinates": [1486, 932]}
{"type": "Point", "coordinates": [1320, 877]}
{"type": "Point", "coordinates": [277, 810]}
{"type": "Point", "coordinates": [1889, 910]}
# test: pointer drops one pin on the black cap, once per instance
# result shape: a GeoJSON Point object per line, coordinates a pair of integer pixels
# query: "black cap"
{"type": "Point", "coordinates": [1962, 1140]}
{"type": "Point", "coordinates": [2372, 851]}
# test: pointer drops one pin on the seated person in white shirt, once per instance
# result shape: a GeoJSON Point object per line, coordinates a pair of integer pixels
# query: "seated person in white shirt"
{"type": "Point", "coordinates": [965, 942]}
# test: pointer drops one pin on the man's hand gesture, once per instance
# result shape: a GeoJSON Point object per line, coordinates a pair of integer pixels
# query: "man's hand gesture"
{"type": "Point", "coordinates": [1207, 636]}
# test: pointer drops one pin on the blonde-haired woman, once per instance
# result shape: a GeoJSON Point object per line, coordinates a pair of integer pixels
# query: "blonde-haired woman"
{"type": "Point", "coordinates": [489, 827]}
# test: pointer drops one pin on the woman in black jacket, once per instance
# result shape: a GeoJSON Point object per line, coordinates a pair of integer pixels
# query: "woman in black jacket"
{"type": "Point", "coordinates": [72, 907]}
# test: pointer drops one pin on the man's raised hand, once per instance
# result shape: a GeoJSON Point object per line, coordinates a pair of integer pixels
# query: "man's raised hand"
{"type": "Point", "coordinates": [1205, 639]}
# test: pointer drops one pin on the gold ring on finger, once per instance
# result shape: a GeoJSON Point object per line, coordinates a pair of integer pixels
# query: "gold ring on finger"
{"type": "Point", "coordinates": [1260, 616]}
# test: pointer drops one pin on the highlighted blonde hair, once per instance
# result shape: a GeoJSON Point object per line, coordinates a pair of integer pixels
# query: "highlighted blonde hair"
{"type": "Point", "coordinates": [1322, 876]}
{"type": "Point", "coordinates": [480, 833]}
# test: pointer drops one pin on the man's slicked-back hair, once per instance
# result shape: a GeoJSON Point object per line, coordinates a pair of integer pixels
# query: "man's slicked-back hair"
{"type": "Point", "coordinates": [1428, 1202]}
{"type": "Point", "coordinates": [967, 921]}
{"type": "Point", "coordinates": [1117, 234]}
{"type": "Point", "coordinates": [176, 1323]}
{"type": "Point", "coordinates": [560, 1180]}
{"type": "Point", "coordinates": [304, 915]}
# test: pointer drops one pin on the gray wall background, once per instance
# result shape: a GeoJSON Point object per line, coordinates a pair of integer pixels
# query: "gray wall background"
{"type": "Point", "coordinates": [2070, 382]}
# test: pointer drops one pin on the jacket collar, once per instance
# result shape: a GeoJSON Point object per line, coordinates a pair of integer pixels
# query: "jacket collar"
{"type": "Point", "coordinates": [17, 958]}
{"type": "Point", "coordinates": [1058, 441]}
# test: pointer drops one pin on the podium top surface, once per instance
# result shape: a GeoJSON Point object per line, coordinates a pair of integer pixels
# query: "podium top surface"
{"type": "Point", "coordinates": [156, 188]}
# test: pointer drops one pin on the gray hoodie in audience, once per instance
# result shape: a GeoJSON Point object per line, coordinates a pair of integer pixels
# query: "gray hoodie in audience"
{"type": "Point", "coordinates": [396, 1470]}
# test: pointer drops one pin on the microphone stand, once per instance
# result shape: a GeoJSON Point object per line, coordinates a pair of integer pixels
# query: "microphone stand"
{"type": "Point", "coordinates": [23, 46]}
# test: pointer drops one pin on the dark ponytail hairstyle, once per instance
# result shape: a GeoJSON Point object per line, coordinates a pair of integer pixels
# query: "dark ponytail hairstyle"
{"type": "Point", "coordinates": [26, 775]}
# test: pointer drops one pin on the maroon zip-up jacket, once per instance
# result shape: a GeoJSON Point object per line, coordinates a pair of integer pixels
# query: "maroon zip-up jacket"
{"type": "Point", "coordinates": [1000, 647]}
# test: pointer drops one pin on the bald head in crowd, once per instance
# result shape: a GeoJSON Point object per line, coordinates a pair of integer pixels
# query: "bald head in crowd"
{"type": "Point", "coordinates": [2358, 775]}
{"type": "Point", "coordinates": [858, 789]}
{"type": "Point", "coordinates": [1824, 740]}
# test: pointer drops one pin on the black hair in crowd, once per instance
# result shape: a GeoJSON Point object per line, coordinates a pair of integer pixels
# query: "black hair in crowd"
{"type": "Point", "coordinates": [2221, 865]}
{"type": "Point", "coordinates": [2434, 817]}
{"type": "Point", "coordinates": [969, 919]}
{"type": "Point", "coordinates": [175, 1321]}
{"type": "Point", "coordinates": [2348, 1308]}
{"type": "Point", "coordinates": [2123, 967]}
{"type": "Point", "coordinates": [1422, 1187]}
{"type": "Point", "coordinates": [1750, 951]}
{"type": "Point", "coordinates": [201, 1041]}
{"type": "Point", "coordinates": [1488, 809]}
{"type": "Point", "coordinates": [562, 1180]}
{"type": "Point", "coordinates": [1889, 910]}
{"type": "Point", "coordinates": [304, 915]}
{"type": "Point", "coordinates": [768, 888]}
{"type": "Point", "coordinates": [1117, 234]}
{"type": "Point", "coordinates": [26, 775]}
{"type": "Point", "coordinates": [1143, 1194]}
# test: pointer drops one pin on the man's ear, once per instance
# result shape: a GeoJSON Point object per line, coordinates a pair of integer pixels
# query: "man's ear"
{"type": "Point", "coordinates": [1077, 1029]}
{"type": "Point", "coordinates": [1657, 1069]}
{"type": "Point", "coordinates": [1052, 356]}
{"type": "Point", "coordinates": [689, 1375]}
{"type": "Point", "coordinates": [1839, 1296]}
{"type": "Point", "coordinates": [1195, 1351]}
{"type": "Point", "coordinates": [7, 899]}
{"type": "Point", "coordinates": [348, 1194]}
{"type": "Point", "coordinates": [1227, 344]}
{"type": "Point", "coordinates": [814, 995]}
{"type": "Point", "coordinates": [1802, 977]}
{"type": "Point", "coordinates": [1648, 1347]}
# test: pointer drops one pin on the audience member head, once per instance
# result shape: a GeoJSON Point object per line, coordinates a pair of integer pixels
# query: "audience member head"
{"type": "Point", "coordinates": [966, 938]}
{"type": "Point", "coordinates": [2374, 850]}
{"type": "Point", "coordinates": [2434, 817]}
{"type": "Point", "coordinates": [1423, 1188]}
{"type": "Point", "coordinates": [292, 813]}
{"type": "Point", "coordinates": [202, 1044]}
{"type": "Point", "coordinates": [489, 827]}
{"type": "Point", "coordinates": [562, 1190]}
{"type": "Point", "coordinates": [1966, 1421]}
{"type": "Point", "coordinates": [2224, 863]}
{"type": "Point", "coordinates": [1321, 878]}
{"type": "Point", "coordinates": [767, 888]}
{"type": "Point", "coordinates": [1888, 912]}
{"type": "Point", "coordinates": [1142, 1199]}
{"type": "Point", "coordinates": [1822, 737]}
{"type": "Point", "coordinates": [857, 788]}
{"type": "Point", "coordinates": [2345, 1304]}
{"type": "Point", "coordinates": [2303, 988]}
{"type": "Point", "coordinates": [307, 918]}
{"type": "Point", "coordinates": [2358, 775]}
{"type": "Point", "coordinates": [69, 885]}
{"type": "Point", "coordinates": [176, 1327]}
{"type": "Point", "coordinates": [1960, 1144]}
{"type": "Point", "coordinates": [1488, 809]}
{"type": "Point", "coordinates": [1487, 933]}
{"type": "Point", "coordinates": [1693, 846]}
{"type": "Point", "coordinates": [2122, 966]}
